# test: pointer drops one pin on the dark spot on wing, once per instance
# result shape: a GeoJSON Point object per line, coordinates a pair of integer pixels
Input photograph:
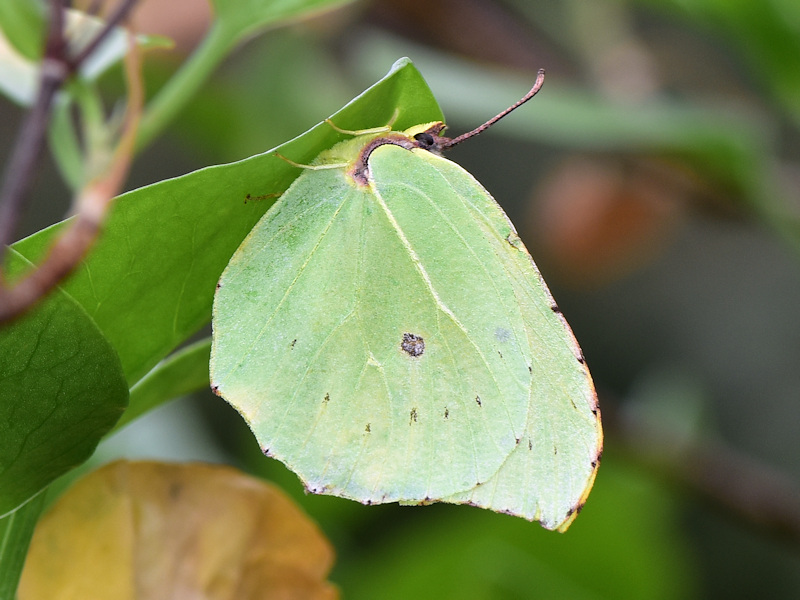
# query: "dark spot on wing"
{"type": "Point", "coordinates": [412, 344]}
{"type": "Point", "coordinates": [368, 428]}
{"type": "Point", "coordinates": [530, 444]}
{"type": "Point", "coordinates": [294, 341]}
{"type": "Point", "coordinates": [413, 416]}
{"type": "Point", "coordinates": [219, 285]}
{"type": "Point", "coordinates": [478, 400]}
{"type": "Point", "coordinates": [555, 451]}
{"type": "Point", "coordinates": [500, 353]}
{"type": "Point", "coordinates": [530, 369]}
{"type": "Point", "coordinates": [555, 309]}
{"type": "Point", "coordinates": [215, 389]}
{"type": "Point", "coordinates": [327, 398]}
{"type": "Point", "coordinates": [446, 412]}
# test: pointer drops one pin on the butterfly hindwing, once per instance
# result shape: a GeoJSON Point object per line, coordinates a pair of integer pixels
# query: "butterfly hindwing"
{"type": "Point", "coordinates": [394, 342]}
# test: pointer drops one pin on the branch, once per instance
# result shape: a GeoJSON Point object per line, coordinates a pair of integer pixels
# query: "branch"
{"type": "Point", "coordinates": [18, 174]}
{"type": "Point", "coordinates": [119, 14]}
{"type": "Point", "coordinates": [750, 491]}
{"type": "Point", "coordinates": [68, 250]}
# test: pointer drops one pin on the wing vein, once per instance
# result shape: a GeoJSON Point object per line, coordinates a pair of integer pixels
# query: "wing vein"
{"type": "Point", "coordinates": [289, 288]}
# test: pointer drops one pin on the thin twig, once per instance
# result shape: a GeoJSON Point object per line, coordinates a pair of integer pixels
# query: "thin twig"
{"type": "Point", "coordinates": [67, 251]}
{"type": "Point", "coordinates": [119, 14]}
{"type": "Point", "coordinates": [752, 492]}
{"type": "Point", "coordinates": [19, 172]}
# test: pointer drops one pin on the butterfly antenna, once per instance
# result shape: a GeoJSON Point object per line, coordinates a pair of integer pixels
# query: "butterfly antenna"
{"type": "Point", "coordinates": [465, 136]}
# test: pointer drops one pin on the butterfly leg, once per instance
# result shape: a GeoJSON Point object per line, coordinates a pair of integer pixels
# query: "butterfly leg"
{"type": "Point", "coordinates": [382, 129]}
{"type": "Point", "coordinates": [311, 167]}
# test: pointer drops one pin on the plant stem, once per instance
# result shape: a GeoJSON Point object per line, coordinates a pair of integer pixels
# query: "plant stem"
{"type": "Point", "coordinates": [19, 171]}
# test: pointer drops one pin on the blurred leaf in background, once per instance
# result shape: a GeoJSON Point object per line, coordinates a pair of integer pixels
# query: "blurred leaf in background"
{"type": "Point", "coordinates": [156, 530]}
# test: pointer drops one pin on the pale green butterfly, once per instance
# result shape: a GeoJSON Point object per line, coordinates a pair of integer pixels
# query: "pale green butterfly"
{"type": "Point", "coordinates": [385, 333]}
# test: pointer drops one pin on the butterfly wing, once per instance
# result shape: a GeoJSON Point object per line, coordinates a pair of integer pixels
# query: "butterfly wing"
{"type": "Point", "coordinates": [550, 472]}
{"type": "Point", "coordinates": [394, 342]}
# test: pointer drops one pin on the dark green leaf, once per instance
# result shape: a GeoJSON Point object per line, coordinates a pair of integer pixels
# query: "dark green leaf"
{"type": "Point", "coordinates": [61, 390]}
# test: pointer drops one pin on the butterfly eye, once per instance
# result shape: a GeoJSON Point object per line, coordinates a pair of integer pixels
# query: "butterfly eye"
{"type": "Point", "coordinates": [425, 140]}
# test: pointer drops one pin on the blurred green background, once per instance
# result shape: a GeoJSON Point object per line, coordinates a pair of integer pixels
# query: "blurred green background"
{"type": "Point", "coordinates": [656, 182]}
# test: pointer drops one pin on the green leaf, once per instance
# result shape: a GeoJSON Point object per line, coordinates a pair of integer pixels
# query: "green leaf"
{"type": "Point", "coordinates": [149, 281]}
{"type": "Point", "coordinates": [235, 21]}
{"type": "Point", "coordinates": [182, 373]}
{"type": "Point", "coordinates": [23, 24]}
{"type": "Point", "coordinates": [243, 17]}
{"type": "Point", "coordinates": [62, 390]}
{"type": "Point", "coordinates": [19, 75]}
{"type": "Point", "coordinates": [385, 333]}
{"type": "Point", "coordinates": [16, 530]}
{"type": "Point", "coordinates": [64, 144]}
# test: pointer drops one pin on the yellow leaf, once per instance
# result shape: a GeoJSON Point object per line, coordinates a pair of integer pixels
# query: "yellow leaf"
{"type": "Point", "coordinates": [149, 530]}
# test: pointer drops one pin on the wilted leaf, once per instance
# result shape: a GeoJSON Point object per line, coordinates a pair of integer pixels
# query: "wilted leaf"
{"type": "Point", "coordinates": [155, 530]}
